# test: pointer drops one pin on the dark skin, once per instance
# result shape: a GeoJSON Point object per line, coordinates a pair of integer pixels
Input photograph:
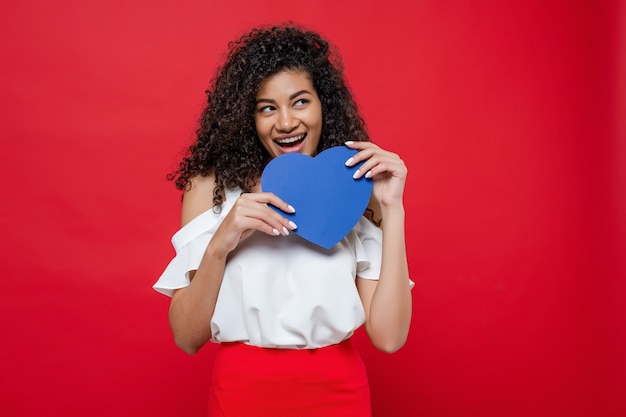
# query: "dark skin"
{"type": "Point", "coordinates": [386, 302]}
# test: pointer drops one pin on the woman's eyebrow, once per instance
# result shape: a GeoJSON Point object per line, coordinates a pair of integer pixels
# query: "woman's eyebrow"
{"type": "Point", "coordinates": [294, 95]}
{"type": "Point", "coordinates": [291, 97]}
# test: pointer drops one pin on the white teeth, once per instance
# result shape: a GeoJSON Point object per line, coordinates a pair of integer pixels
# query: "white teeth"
{"type": "Point", "coordinates": [288, 141]}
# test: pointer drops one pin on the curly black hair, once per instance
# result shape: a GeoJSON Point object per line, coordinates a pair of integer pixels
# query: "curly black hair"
{"type": "Point", "coordinates": [227, 145]}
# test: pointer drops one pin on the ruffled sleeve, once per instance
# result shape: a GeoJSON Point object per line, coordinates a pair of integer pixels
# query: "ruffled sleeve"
{"type": "Point", "coordinates": [369, 250]}
{"type": "Point", "coordinates": [190, 242]}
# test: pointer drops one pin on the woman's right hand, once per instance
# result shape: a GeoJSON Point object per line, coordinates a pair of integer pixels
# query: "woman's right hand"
{"type": "Point", "coordinates": [250, 213]}
{"type": "Point", "coordinates": [192, 307]}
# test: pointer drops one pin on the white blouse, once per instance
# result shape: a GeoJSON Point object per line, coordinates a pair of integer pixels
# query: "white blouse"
{"type": "Point", "coordinates": [280, 291]}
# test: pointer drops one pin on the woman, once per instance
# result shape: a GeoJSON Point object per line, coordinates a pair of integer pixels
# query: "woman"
{"type": "Point", "coordinates": [282, 309]}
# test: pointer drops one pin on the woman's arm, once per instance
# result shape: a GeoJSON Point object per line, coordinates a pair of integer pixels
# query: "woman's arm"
{"type": "Point", "coordinates": [387, 302]}
{"type": "Point", "coordinates": [192, 307]}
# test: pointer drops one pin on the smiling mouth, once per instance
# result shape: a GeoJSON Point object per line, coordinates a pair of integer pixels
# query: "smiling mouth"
{"type": "Point", "coordinates": [290, 141]}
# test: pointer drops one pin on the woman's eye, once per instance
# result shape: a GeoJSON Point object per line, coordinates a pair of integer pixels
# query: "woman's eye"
{"type": "Point", "coordinates": [265, 109]}
{"type": "Point", "coordinates": [301, 102]}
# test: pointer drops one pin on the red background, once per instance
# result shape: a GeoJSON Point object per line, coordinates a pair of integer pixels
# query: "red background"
{"type": "Point", "coordinates": [509, 115]}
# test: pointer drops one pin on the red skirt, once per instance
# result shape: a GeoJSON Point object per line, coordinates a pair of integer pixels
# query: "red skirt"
{"type": "Point", "coordinates": [257, 382]}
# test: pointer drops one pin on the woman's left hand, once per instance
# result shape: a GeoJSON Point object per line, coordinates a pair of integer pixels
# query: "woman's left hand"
{"type": "Point", "coordinates": [385, 168]}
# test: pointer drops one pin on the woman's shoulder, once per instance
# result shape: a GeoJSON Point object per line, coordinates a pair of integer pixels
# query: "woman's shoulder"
{"type": "Point", "coordinates": [198, 197]}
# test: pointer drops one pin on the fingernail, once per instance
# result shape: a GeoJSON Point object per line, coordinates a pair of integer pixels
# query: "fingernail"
{"type": "Point", "coordinates": [349, 142]}
{"type": "Point", "coordinates": [356, 174]}
{"type": "Point", "coordinates": [293, 225]}
{"type": "Point", "coordinates": [349, 161]}
{"type": "Point", "coordinates": [285, 231]}
{"type": "Point", "coordinates": [291, 209]}
{"type": "Point", "coordinates": [276, 232]}
{"type": "Point", "coordinates": [368, 174]}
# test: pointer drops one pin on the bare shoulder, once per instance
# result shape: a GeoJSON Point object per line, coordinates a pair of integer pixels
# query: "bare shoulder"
{"type": "Point", "coordinates": [198, 197]}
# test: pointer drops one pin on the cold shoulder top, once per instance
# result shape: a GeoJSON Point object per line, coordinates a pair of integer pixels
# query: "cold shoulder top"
{"type": "Point", "coordinates": [280, 291]}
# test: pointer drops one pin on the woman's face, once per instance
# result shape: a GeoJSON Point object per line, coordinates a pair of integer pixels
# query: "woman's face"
{"type": "Point", "coordinates": [288, 114]}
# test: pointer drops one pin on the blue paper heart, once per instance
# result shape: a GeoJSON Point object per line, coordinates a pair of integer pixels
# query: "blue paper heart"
{"type": "Point", "coordinates": [328, 201]}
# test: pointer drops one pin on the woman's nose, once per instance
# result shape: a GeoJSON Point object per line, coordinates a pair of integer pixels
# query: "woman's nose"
{"type": "Point", "coordinates": [286, 121]}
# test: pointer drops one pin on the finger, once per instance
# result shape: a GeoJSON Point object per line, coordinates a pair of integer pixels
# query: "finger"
{"type": "Point", "coordinates": [255, 207]}
{"type": "Point", "coordinates": [368, 159]}
{"type": "Point", "coordinates": [271, 198]}
{"type": "Point", "coordinates": [359, 144]}
{"type": "Point", "coordinates": [264, 200]}
{"type": "Point", "coordinates": [366, 151]}
{"type": "Point", "coordinates": [379, 164]}
{"type": "Point", "coordinates": [268, 227]}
